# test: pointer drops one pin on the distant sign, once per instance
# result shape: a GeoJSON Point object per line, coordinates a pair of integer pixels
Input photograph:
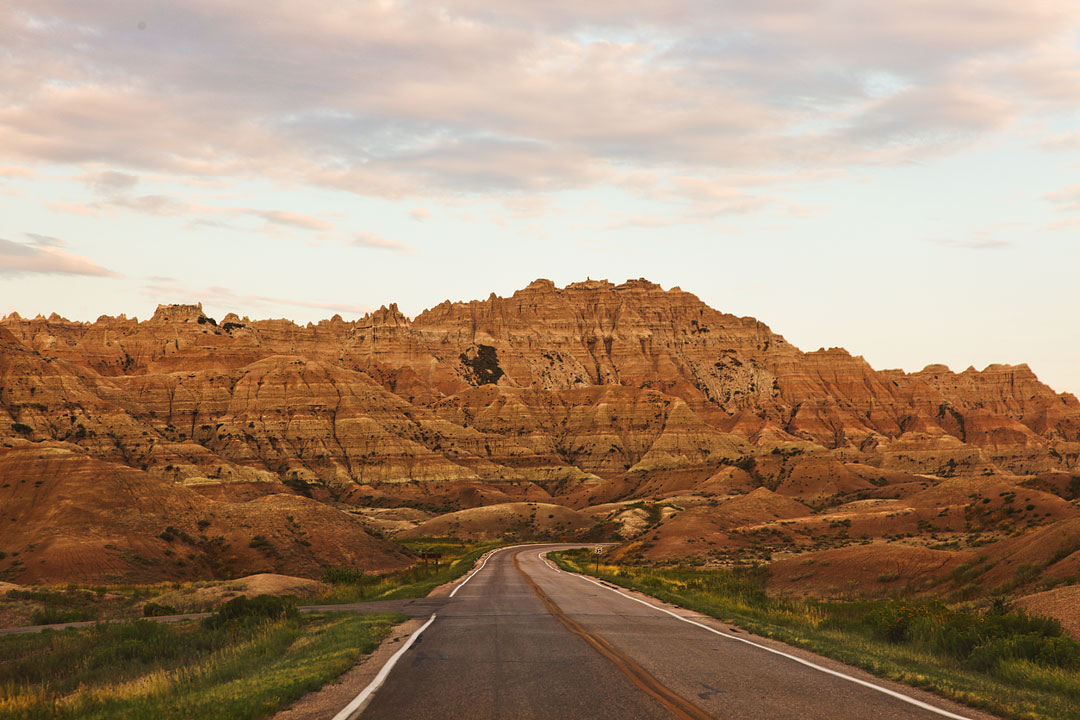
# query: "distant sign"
{"type": "Point", "coordinates": [599, 549]}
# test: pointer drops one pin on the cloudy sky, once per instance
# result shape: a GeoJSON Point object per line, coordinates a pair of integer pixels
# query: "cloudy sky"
{"type": "Point", "coordinates": [900, 178]}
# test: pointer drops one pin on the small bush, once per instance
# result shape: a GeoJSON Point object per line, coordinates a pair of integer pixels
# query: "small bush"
{"type": "Point", "coordinates": [241, 609]}
{"type": "Point", "coordinates": [140, 642]}
{"type": "Point", "coordinates": [152, 609]}
{"type": "Point", "coordinates": [893, 622]}
{"type": "Point", "coordinates": [51, 615]}
{"type": "Point", "coordinates": [343, 576]}
{"type": "Point", "coordinates": [22, 429]}
{"type": "Point", "coordinates": [259, 542]}
{"type": "Point", "coordinates": [297, 485]}
{"type": "Point", "coordinates": [984, 641]}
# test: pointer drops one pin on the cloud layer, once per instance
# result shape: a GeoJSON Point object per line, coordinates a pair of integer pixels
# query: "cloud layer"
{"type": "Point", "coordinates": [167, 289]}
{"type": "Point", "coordinates": [45, 255]}
{"type": "Point", "coordinates": [397, 99]}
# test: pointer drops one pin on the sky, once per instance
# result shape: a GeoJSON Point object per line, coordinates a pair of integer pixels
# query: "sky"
{"type": "Point", "coordinates": [898, 178]}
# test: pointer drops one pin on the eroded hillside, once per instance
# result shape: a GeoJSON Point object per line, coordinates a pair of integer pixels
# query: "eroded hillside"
{"type": "Point", "coordinates": [611, 400]}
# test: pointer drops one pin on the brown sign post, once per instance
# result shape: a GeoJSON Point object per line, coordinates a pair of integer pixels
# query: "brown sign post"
{"type": "Point", "coordinates": [427, 555]}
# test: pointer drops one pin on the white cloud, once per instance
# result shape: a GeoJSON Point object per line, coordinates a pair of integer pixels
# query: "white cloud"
{"type": "Point", "coordinates": [11, 171]}
{"type": "Point", "coordinates": [376, 242]}
{"type": "Point", "coordinates": [289, 219]}
{"type": "Point", "coordinates": [1066, 200]}
{"type": "Point", "coordinates": [45, 240]}
{"type": "Point", "coordinates": [693, 105]}
{"type": "Point", "coordinates": [166, 289]}
{"type": "Point", "coordinates": [422, 99]}
{"type": "Point", "coordinates": [44, 256]}
{"type": "Point", "coordinates": [109, 182]}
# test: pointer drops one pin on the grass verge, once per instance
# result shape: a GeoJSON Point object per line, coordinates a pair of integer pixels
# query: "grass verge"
{"type": "Point", "coordinates": [237, 669]}
{"type": "Point", "coordinates": [457, 559]}
{"type": "Point", "coordinates": [46, 605]}
{"type": "Point", "coordinates": [1006, 663]}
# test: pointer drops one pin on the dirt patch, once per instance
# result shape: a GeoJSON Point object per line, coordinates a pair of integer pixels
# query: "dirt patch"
{"type": "Point", "coordinates": [863, 570]}
{"type": "Point", "coordinates": [1062, 604]}
{"type": "Point", "coordinates": [203, 596]}
{"type": "Point", "coordinates": [491, 522]}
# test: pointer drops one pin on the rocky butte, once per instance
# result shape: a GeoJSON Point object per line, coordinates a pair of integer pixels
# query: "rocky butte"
{"type": "Point", "coordinates": [161, 449]}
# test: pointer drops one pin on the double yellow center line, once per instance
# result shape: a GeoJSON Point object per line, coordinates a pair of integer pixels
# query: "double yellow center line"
{"type": "Point", "coordinates": [678, 706]}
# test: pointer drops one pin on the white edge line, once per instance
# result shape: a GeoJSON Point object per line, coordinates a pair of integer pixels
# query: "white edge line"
{"type": "Point", "coordinates": [366, 693]}
{"type": "Point", "coordinates": [857, 681]}
{"type": "Point", "coordinates": [476, 572]}
{"type": "Point", "coordinates": [358, 702]}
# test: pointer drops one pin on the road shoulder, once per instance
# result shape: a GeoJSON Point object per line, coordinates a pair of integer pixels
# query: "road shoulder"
{"type": "Point", "coordinates": [332, 697]}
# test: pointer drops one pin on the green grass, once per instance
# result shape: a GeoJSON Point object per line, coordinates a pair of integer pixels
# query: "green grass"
{"type": "Point", "coordinates": [1007, 663]}
{"type": "Point", "coordinates": [457, 559]}
{"type": "Point", "coordinates": [242, 668]}
{"type": "Point", "coordinates": [60, 605]}
{"type": "Point", "coordinates": [347, 585]}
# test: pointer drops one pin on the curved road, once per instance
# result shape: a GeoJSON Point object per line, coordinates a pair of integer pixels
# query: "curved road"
{"type": "Point", "coordinates": [523, 641]}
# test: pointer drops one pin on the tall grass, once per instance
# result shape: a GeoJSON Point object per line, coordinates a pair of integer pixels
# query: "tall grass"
{"type": "Point", "coordinates": [1009, 663]}
{"type": "Point", "coordinates": [415, 582]}
{"type": "Point", "coordinates": [238, 669]}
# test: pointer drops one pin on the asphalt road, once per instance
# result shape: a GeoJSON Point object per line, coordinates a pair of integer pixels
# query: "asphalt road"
{"type": "Point", "coordinates": [522, 641]}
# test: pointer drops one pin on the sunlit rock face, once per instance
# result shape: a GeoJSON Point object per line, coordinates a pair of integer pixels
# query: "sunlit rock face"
{"type": "Point", "coordinates": [579, 395]}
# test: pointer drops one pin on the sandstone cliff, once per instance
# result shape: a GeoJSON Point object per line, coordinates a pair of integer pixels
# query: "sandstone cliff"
{"type": "Point", "coordinates": [580, 395]}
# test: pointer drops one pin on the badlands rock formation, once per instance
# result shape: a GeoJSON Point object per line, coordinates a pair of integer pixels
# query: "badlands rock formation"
{"type": "Point", "coordinates": [580, 396]}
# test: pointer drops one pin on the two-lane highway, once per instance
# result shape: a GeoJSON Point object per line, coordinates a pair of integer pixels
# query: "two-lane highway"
{"type": "Point", "coordinates": [522, 640]}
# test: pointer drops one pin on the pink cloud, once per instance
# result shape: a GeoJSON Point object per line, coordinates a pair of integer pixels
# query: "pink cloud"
{"type": "Point", "coordinates": [44, 256]}
{"type": "Point", "coordinates": [1066, 200]}
{"type": "Point", "coordinates": [162, 289]}
{"type": "Point", "coordinates": [412, 100]}
{"type": "Point", "coordinates": [376, 242]}
{"type": "Point", "coordinates": [289, 219]}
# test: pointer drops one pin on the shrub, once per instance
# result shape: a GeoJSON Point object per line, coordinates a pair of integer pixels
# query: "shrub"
{"type": "Point", "coordinates": [343, 576]}
{"type": "Point", "coordinates": [746, 464]}
{"type": "Point", "coordinates": [22, 428]}
{"type": "Point", "coordinates": [241, 609]}
{"type": "Point", "coordinates": [984, 641]}
{"type": "Point", "coordinates": [140, 642]}
{"type": "Point", "coordinates": [51, 615]}
{"type": "Point", "coordinates": [152, 609]}
{"type": "Point", "coordinates": [297, 485]}
{"type": "Point", "coordinates": [891, 622]}
{"type": "Point", "coordinates": [260, 542]}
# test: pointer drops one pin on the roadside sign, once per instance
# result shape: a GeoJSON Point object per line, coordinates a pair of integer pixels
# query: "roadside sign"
{"type": "Point", "coordinates": [599, 549]}
{"type": "Point", "coordinates": [427, 555]}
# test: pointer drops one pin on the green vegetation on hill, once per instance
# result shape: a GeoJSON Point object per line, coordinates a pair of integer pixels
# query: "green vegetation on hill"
{"type": "Point", "coordinates": [247, 661]}
{"type": "Point", "coordinates": [458, 558]}
{"type": "Point", "coordinates": [1005, 662]}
